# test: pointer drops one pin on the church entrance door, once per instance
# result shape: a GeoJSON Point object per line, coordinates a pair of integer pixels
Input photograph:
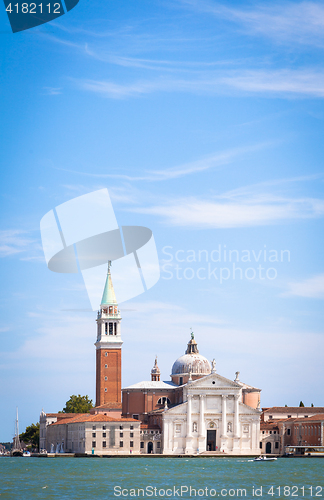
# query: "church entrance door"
{"type": "Point", "coordinates": [268, 447]}
{"type": "Point", "coordinates": [211, 441]}
{"type": "Point", "coordinates": [150, 447]}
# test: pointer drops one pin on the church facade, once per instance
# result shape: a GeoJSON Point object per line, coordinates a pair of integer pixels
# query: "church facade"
{"type": "Point", "coordinates": [198, 411]}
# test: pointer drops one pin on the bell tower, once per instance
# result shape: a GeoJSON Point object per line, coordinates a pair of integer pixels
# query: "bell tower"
{"type": "Point", "coordinates": [108, 348]}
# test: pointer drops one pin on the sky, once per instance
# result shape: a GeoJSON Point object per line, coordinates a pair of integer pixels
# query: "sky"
{"type": "Point", "coordinates": [205, 121]}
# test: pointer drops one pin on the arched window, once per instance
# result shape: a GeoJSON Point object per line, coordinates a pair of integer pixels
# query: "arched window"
{"type": "Point", "coordinates": [164, 400]}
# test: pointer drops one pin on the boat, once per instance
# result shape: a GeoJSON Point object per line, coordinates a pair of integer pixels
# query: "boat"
{"type": "Point", "coordinates": [26, 453]}
{"type": "Point", "coordinates": [262, 458]}
{"type": "Point", "coordinates": [16, 447]}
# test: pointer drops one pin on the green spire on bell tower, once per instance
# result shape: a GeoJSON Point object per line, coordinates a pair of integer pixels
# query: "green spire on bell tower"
{"type": "Point", "coordinates": [108, 296]}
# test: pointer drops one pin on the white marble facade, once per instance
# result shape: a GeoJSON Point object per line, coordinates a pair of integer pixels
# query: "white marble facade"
{"type": "Point", "coordinates": [212, 418]}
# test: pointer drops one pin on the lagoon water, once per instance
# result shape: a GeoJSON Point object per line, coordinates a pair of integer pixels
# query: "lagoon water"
{"type": "Point", "coordinates": [141, 477]}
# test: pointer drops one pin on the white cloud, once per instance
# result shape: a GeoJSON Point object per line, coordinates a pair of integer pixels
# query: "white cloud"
{"type": "Point", "coordinates": [210, 162]}
{"type": "Point", "coordinates": [309, 288]}
{"type": "Point", "coordinates": [13, 241]}
{"type": "Point", "coordinates": [222, 213]}
{"type": "Point", "coordinates": [52, 90]}
{"type": "Point", "coordinates": [300, 82]}
{"type": "Point", "coordinates": [284, 22]}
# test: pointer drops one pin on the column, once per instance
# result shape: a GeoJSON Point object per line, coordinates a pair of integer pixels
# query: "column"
{"type": "Point", "coordinates": [236, 416]}
{"type": "Point", "coordinates": [201, 429]}
{"type": "Point", "coordinates": [188, 448]}
{"type": "Point", "coordinates": [189, 429]}
{"type": "Point", "coordinates": [224, 423]}
{"type": "Point", "coordinates": [202, 416]}
{"type": "Point", "coordinates": [165, 430]}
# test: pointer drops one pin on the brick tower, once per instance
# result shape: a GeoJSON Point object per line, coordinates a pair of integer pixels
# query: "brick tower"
{"type": "Point", "coordinates": [108, 349]}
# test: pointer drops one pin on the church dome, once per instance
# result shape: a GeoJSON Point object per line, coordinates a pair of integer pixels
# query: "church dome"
{"type": "Point", "coordinates": [191, 362]}
{"type": "Point", "coordinates": [194, 363]}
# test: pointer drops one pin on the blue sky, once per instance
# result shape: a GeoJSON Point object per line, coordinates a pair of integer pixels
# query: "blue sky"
{"type": "Point", "coordinates": [205, 122]}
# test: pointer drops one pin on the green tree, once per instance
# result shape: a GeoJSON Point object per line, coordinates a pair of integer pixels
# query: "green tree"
{"type": "Point", "coordinates": [78, 404]}
{"type": "Point", "coordinates": [301, 404]}
{"type": "Point", "coordinates": [312, 405]}
{"type": "Point", "coordinates": [31, 435]}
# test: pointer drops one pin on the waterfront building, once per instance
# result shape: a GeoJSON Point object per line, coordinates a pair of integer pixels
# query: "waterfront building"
{"type": "Point", "coordinates": [291, 426]}
{"type": "Point", "coordinates": [197, 411]}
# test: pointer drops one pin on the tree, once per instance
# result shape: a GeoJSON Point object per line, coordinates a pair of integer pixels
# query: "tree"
{"type": "Point", "coordinates": [301, 404]}
{"type": "Point", "coordinates": [78, 404]}
{"type": "Point", "coordinates": [312, 405]}
{"type": "Point", "coordinates": [31, 435]}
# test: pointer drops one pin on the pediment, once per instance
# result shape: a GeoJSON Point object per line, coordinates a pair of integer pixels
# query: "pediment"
{"type": "Point", "coordinates": [213, 381]}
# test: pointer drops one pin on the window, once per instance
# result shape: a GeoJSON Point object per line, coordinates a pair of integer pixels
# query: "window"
{"type": "Point", "coordinates": [94, 427]}
{"type": "Point", "coordinates": [104, 435]}
{"type": "Point", "coordinates": [131, 444]}
{"type": "Point", "coordinates": [142, 444]}
{"type": "Point", "coordinates": [110, 328]}
{"type": "Point", "coordinates": [93, 434]}
{"type": "Point", "coordinates": [262, 432]}
{"type": "Point", "coordinates": [288, 432]}
{"type": "Point", "coordinates": [305, 416]}
{"type": "Point", "coordinates": [105, 389]}
{"type": "Point", "coordinates": [121, 427]}
{"type": "Point", "coordinates": [103, 427]}
{"type": "Point", "coordinates": [164, 400]}
{"type": "Point", "coordinates": [270, 417]}
{"type": "Point", "coordinates": [106, 328]}
{"type": "Point", "coordinates": [106, 366]}
{"type": "Point", "coordinates": [131, 427]}
{"type": "Point", "coordinates": [121, 434]}
{"type": "Point", "coordinates": [115, 328]}
{"type": "Point", "coordinates": [261, 444]}
{"type": "Point", "coordinates": [289, 416]}
{"type": "Point", "coordinates": [158, 444]}
{"type": "Point", "coordinates": [135, 417]}
{"type": "Point", "coordinates": [275, 432]}
{"type": "Point", "coordinates": [121, 444]}
{"type": "Point", "coordinates": [276, 444]}
{"type": "Point", "coordinates": [93, 444]}
{"type": "Point", "coordinates": [106, 353]}
{"type": "Point", "coordinates": [270, 432]}
{"type": "Point", "coordinates": [180, 380]}
{"type": "Point", "coordinates": [131, 434]}
{"type": "Point", "coordinates": [106, 378]}
{"type": "Point", "coordinates": [104, 444]}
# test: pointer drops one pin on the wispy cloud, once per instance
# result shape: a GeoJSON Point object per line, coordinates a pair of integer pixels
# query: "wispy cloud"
{"type": "Point", "coordinates": [247, 206]}
{"type": "Point", "coordinates": [198, 213]}
{"type": "Point", "coordinates": [304, 82]}
{"type": "Point", "coordinates": [13, 241]}
{"type": "Point", "coordinates": [210, 162]}
{"type": "Point", "coordinates": [52, 90]}
{"type": "Point", "coordinates": [283, 22]}
{"type": "Point", "coordinates": [309, 288]}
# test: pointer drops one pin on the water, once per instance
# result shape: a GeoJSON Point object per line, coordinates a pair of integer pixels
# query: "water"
{"type": "Point", "coordinates": [95, 478]}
